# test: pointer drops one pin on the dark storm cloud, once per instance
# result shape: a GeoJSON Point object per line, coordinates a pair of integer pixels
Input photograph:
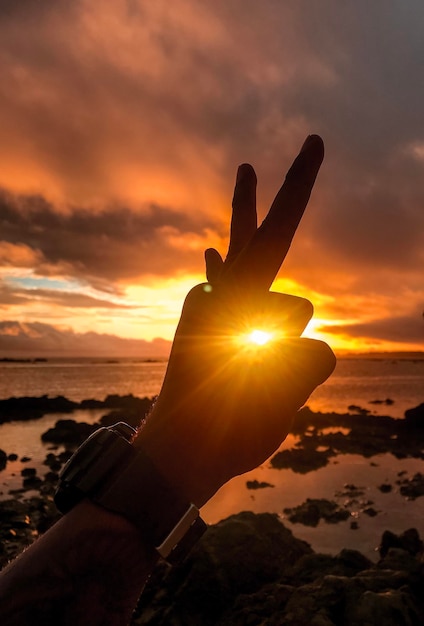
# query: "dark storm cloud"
{"type": "Point", "coordinates": [243, 78]}
{"type": "Point", "coordinates": [115, 244]}
{"type": "Point", "coordinates": [405, 329]}
{"type": "Point", "coordinates": [372, 189]}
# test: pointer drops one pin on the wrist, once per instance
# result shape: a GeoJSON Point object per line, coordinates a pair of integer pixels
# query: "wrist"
{"type": "Point", "coordinates": [176, 456]}
{"type": "Point", "coordinates": [120, 477]}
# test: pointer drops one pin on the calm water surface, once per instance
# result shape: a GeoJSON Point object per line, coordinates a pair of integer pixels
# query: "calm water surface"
{"type": "Point", "coordinates": [356, 381]}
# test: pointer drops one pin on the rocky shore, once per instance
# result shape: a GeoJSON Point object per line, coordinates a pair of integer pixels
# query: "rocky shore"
{"type": "Point", "coordinates": [249, 569]}
{"type": "Point", "coordinates": [27, 408]}
{"type": "Point", "coordinates": [323, 436]}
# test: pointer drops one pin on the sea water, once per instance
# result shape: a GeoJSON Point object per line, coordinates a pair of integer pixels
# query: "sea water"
{"type": "Point", "coordinates": [365, 383]}
{"type": "Point", "coordinates": [360, 382]}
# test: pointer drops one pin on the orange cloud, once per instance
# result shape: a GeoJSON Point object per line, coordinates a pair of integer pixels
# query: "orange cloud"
{"type": "Point", "coordinates": [122, 125]}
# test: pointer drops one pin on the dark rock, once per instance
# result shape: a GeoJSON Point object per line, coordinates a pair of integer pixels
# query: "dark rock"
{"type": "Point", "coordinates": [385, 488]}
{"type": "Point", "coordinates": [387, 401]}
{"type": "Point", "coordinates": [255, 484]}
{"type": "Point", "coordinates": [69, 432]}
{"type": "Point", "coordinates": [350, 487]}
{"type": "Point", "coordinates": [301, 460]}
{"type": "Point", "coordinates": [47, 489]}
{"type": "Point", "coordinates": [26, 408]}
{"type": "Point", "coordinates": [413, 487]}
{"type": "Point", "coordinates": [3, 460]}
{"type": "Point", "coordinates": [312, 511]}
{"type": "Point", "coordinates": [16, 491]}
{"type": "Point", "coordinates": [52, 462]}
{"type": "Point", "coordinates": [12, 457]}
{"type": "Point", "coordinates": [350, 491]}
{"type": "Point", "coordinates": [354, 525]}
{"type": "Point", "coordinates": [32, 482]}
{"type": "Point", "coordinates": [408, 540]}
{"type": "Point", "coordinates": [25, 459]}
{"type": "Point", "coordinates": [249, 570]}
{"type": "Point", "coordinates": [398, 559]}
{"type": "Point", "coordinates": [64, 456]}
{"type": "Point", "coordinates": [394, 607]}
{"type": "Point", "coordinates": [237, 556]}
{"type": "Point", "coordinates": [320, 603]}
{"type": "Point", "coordinates": [380, 578]}
{"type": "Point", "coordinates": [352, 562]}
{"type": "Point", "coordinates": [358, 409]}
{"type": "Point", "coordinates": [28, 472]}
{"type": "Point", "coordinates": [51, 477]}
{"type": "Point", "coordinates": [313, 567]}
{"type": "Point", "coordinates": [213, 586]}
{"type": "Point", "coordinates": [21, 521]}
{"type": "Point", "coordinates": [260, 607]}
{"type": "Point", "coordinates": [370, 511]}
{"type": "Point", "coordinates": [129, 408]}
{"type": "Point", "coordinates": [368, 435]}
{"type": "Point", "coordinates": [415, 417]}
{"type": "Point", "coordinates": [126, 409]}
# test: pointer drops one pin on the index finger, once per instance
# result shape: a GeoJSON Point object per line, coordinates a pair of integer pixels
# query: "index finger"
{"type": "Point", "coordinates": [257, 265]}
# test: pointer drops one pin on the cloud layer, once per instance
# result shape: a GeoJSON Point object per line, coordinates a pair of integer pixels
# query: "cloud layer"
{"type": "Point", "coordinates": [115, 244]}
{"type": "Point", "coordinates": [43, 339]}
{"type": "Point", "coordinates": [122, 125]}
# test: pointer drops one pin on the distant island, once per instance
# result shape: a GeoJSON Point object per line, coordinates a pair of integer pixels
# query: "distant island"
{"type": "Point", "coordinates": [378, 356]}
{"type": "Point", "coordinates": [35, 360]}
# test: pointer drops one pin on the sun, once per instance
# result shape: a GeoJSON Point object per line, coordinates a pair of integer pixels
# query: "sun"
{"type": "Point", "coordinates": [258, 337]}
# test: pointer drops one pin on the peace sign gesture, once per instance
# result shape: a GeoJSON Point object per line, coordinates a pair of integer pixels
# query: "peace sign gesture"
{"type": "Point", "coordinates": [256, 254]}
{"type": "Point", "coordinates": [227, 404]}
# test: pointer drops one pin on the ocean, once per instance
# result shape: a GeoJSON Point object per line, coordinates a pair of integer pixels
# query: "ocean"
{"type": "Point", "coordinates": [381, 386]}
{"type": "Point", "coordinates": [361, 382]}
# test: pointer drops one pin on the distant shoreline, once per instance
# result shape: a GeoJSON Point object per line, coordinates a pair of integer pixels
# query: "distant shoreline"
{"type": "Point", "coordinates": [37, 358]}
{"type": "Point", "coordinates": [12, 360]}
{"type": "Point", "coordinates": [88, 359]}
{"type": "Point", "coordinates": [379, 356]}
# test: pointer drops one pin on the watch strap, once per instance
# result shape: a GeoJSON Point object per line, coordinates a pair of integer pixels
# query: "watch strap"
{"type": "Point", "coordinates": [141, 494]}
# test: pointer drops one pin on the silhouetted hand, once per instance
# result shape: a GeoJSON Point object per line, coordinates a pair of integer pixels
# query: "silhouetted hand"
{"type": "Point", "coordinates": [227, 404]}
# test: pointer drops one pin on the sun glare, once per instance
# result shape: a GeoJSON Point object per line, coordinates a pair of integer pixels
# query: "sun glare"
{"type": "Point", "coordinates": [259, 337]}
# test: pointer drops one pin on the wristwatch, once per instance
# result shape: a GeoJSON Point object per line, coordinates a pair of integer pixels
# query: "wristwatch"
{"type": "Point", "coordinates": [111, 472]}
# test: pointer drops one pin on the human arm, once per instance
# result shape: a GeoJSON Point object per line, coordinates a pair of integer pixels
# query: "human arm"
{"type": "Point", "coordinates": [221, 412]}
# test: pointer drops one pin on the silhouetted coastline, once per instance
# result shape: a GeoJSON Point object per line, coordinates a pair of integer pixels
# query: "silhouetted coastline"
{"type": "Point", "coordinates": [24, 408]}
{"type": "Point", "coordinates": [262, 585]}
{"type": "Point", "coordinates": [12, 360]}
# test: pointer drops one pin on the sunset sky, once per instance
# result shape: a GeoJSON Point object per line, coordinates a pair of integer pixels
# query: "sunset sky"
{"type": "Point", "coordinates": [121, 128]}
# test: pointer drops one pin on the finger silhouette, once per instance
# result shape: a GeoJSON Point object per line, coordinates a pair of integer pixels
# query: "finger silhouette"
{"type": "Point", "coordinates": [257, 264]}
{"type": "Point", "coordinates": [243, 219]}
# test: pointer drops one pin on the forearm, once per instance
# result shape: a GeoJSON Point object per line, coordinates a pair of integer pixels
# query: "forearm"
{"type": "Point", "coordinates": [89, 568]}
{"type": "Point", "coordinates": [92, 565]}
